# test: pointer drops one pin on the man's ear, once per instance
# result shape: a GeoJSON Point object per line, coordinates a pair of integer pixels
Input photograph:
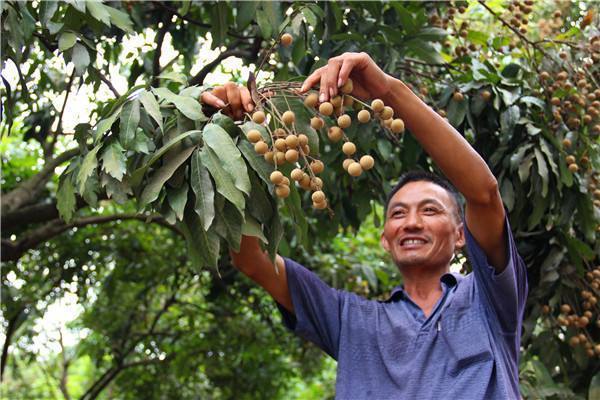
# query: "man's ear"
{"type": "Point", "coordinates": [460, 236]}
{"type": "Point", "coordinates": [384, 243]}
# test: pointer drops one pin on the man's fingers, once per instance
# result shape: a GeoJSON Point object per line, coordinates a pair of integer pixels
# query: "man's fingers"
{"type": "Point", "coordinates": [345, 70]}
{"type": "Point", "coordinates": [312, 80]}
{"type": "Point", "coordinates": [246, 99]}
{"type": "Point", "coordinates": [212, 100]}
{"type": "Point", "coordinates": [329, 79]}
{"type": "Point", "coordinates": [235, 100]}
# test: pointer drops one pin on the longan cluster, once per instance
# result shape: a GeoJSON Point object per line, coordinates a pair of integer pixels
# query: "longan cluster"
{"type": "Point", "coordinates": [518, 14]}
{"type": "Point", "coordinates": [579, 323]}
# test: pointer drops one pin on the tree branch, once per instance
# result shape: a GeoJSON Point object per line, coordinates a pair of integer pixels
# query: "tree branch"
{"type": "Point", "coordinates": [13, 250]}
{"type": "Point", "coordinates": [160, 37]}
{"type": "Point", "coordinates": [27, 191]}
{"type": "Point", "coordinates": [105, 80]}
{"type": "Point", "coordinates": [59, 128]}
{"type": "Point", "coordinates": [198, 79]}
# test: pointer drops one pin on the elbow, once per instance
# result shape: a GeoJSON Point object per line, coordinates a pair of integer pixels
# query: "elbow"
{"type": "Point", "coordinates": [488, 194]}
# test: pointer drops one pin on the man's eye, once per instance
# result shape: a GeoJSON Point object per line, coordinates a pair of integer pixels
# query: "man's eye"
{"type": "Point", "coordinates": [398, 213]}
{"type": "Point", "coordinates": [430, 210]}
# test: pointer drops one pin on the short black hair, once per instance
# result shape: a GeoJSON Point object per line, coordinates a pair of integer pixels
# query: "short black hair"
{"type": "Point", "coordinates": [418, 176]}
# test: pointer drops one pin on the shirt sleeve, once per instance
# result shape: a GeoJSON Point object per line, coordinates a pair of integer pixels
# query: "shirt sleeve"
{"type": "Point", "coordinates": [503, 293]}
{"type": "Point", "coordinates": [317, 308]}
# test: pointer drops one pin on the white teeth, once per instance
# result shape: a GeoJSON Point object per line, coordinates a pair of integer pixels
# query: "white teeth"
{"type": "Point", "coordinates": [413, 241]}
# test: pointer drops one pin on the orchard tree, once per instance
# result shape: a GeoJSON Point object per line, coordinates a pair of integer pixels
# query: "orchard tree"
{"type": "Point", "coordinates": [519, 79]}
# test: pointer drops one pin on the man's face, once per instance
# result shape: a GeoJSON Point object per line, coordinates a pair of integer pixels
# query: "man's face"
{"type": "Point", "coordinates": [422, 227]}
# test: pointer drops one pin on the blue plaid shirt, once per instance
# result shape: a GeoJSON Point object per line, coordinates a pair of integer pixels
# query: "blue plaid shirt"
{"type": "Point", "coordinates": [468, 347]}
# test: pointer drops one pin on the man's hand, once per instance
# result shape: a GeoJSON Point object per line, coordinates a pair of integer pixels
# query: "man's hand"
{"type": "Point", "coordinates": [369, 81]}
{"type": "Point", "coordinates": [233, 99]}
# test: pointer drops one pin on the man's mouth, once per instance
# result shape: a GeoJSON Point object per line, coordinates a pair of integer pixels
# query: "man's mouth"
{"type": "Point", "coordinates": [411, 242]}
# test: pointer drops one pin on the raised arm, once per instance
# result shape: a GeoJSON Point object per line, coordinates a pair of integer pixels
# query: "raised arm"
{"type": "Point", "coordinates": [449, 150]}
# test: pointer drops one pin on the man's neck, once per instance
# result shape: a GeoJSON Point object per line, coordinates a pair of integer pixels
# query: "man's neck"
{"type": "Point", "coordinates": [423, 285]}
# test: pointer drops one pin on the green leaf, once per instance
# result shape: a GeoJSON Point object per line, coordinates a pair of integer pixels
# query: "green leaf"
{"type": "Point", "coordinates": [542, 170]}
{"type": "Point", "coordinates": [66, 40]}
{"type": "Point", "coordinates": [47, 11]}
{"type": "Point", "coordinates": [245, 13]}
{"type": "Point", "coordinates": [151, 106]}
{"type": "Point", "coordinates": [113, 161]}
{"type": "Point", "coordinates": [274, 233]}
{"type": "Point", "coordinates": [232, 221]}
{"type": "Point", "coordinates": [508, 120]}
{"type": "Point", "coordinates": [525, 168]}
{"type": "Point", "coordinates": [120, 19]}
{"type": "Point", "coordinates": [477, 37]}
{"type": "Point", "coordinates": [218, 140]}
{"type": "Point", "coordinates": [456, 112]}
{"type": "Point", "coordinates": [189, 107]}
{"type": "Point", "coordinates": [407, 21]}
{"type": "Point", "coordinates": [424, 51]}
{"type": "Point", "coordinates": [81, 58]}
{"type": "Point", "coordinates": [256, 161]}
{"type": "Point", "coordinates": [99, 11]}
{"type": "Point", "coordinates": [432, 34]}
{"type": "Point", "coordinates": [268, 17]}
{"type": "Point", "coordinates": [87, 168]}
{"type": "Point", "coordinates": [173, 76]}
{"type": "Point", "coordinates": [130, 119]}
{"type": "Point", "coordinates": [177, 199]}
{"type": "Point", "coordinates": [203, 191]}
{"type": "Point", "coordinates": [118, 191]}
{"type": "Point", "coordinates": [203, 246]}
{"type": "Point", "coordinates": [224, 182]}
{"type": "Point", "coordinates": [594, 390]}
{"type": "Point", "coordinates": [103, 125]}
{"type": "Point", "coordinates": [252, 228]}
{"type": "Point", "coordinates": [158, 179]}
{"type": "Point", "coordinates": [65, 198]}
{"type": "Point", "coordinates": [138, 174]}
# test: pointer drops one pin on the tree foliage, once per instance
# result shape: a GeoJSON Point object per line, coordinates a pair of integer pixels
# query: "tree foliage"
{"type": "Point", "coordinates": [518, 79]}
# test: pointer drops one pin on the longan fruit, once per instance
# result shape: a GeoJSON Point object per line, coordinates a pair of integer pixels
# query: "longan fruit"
{"type": "Point", "coordinates": [258, 117]}
{"type": "Point", "coordinates": [296, 174]}
{"type": "Point", "coordinates": [377, 105]}
{"type": "Point", "coordinates": [279, 157]}
{"type": "Point", "coordinates": [336, 102]}
{"type": "Point", "coordinates": [291, 156]}
{"type": "Point", "coordinates": [276, 177]}
{"type": "Point", "coordinates": [388, 123]}
{"type": "Point", "coordinates": [354, 169]}
{"type": "Point", "coordinates": [316, 183]}
{"type": "Point", "coordinates": [320, 206]}
{"type": "Point", "coordinates": [280, 144]}
{"type": "Point", "coordinates": [305, 149]}
{"type": "Point", "coordinates": [335, 134]}
{"type": "Point", "coordinates": [387, 113]}
{"type": "Point", "coordinates": [317, 123]}
{"type": "Point", "coordinates": [317, 166]}
{"type": "Point", "coordinates": [326, 108]}
{"type": "Point", "coordinates": [286, 39]}
{"type": "Point", "coordinates": [486, 95]}
{"type": "Point", "coordinates": [458, 96]}
{"type": "Point", "coordinates": [367, 162]}
{"type": "Point", "coordinates": [573, 168]}
{"type": "Point", "coordinates": [544, 75]}
{"type": "Point", "coordinates": [555, 101]}
{"type": "Point", "coordinates": [347, 87]}
{"type": "Point", "coordinates": [566, 143]}
{"type": "Point", "coordinates": [269, 157]}
{"type": "Point", "coordinates": [254, 135]}
{"type": "Point", "coordinates": [344, 121]}
{"type": "Point", "coordinates": [318, 196]}
{"type": "Point", "coordinates": [565, 308]}
{"type": "Point", "coordinates": [348, 101]}
{"type": "Point", "coordinates": [347, 162]}
{"type": "Point", "coordinates": [311, 100]}
{"type": "Point", "coordinates": [282, 191]}
{"type": "Point", "coordinates": [570, 159]}
{"type": "Point", "coordinates": [305, 181]}
{"type": "Point", "coordinates": [397, 126]}
{"type": "Point", "coordinates": [302, 139]}
{"type": "Point", "coordinates": [349, 148]}
{"type": "Point", "coordinates": [363, 116]}
{"type": "Point", "coordinates": [288, 117]}
{"type": "Point", "coordinates": [279, 133]}
{"type": "Point", "coordinates": [286, 181]}
{"type": "Point", "coordinates": [291, 141]}
{"type": "Point", "coordinates": [261, 147]}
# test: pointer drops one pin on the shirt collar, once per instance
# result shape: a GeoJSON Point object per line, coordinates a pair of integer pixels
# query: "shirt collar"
{"type": "Point", "coordinates": [449, 280]}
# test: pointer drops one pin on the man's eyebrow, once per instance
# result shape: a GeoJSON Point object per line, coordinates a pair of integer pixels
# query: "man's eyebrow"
{"type": "Point", "coordinates": [422, 202]}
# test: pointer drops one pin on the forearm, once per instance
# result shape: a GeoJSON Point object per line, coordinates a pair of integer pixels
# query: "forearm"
{"type": "Point", "coordinates": [459, 162]}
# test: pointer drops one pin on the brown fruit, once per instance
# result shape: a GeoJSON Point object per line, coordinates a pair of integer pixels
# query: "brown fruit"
{"type": "Point", "coordinates": [562, 75]}
{"type": "Point", "coordinates": [276, 177]}
{"type": "Point", "coordinates": [305, 149]}
{"type": "Point", "coordinates": [316, 123]}
{"type": "Point", "coordinates": [291, 156]}
{"type": "Point", "coordinates": [574, 341]}
{"type": "Point", "coordinates": [354, 169]}
{"type": "Point", "coordinates": [318, 196]}
{"type": "Point", "coordinates": [282, 191]}
{"type": "Point", "coordinates": [302, 139]}
{"type": "Point", "coordinates": [565, 308]}
{"type": "Point", "coordinates": [335, 134]}
{"type": "Point", "coordinates": [349, 148]}
{"type": "Point", "coordinates": [348, 101]}
{"type": "Point", "coordinates": [316, 183]}
{"type": "Point", "coordinates": [311, 100]}
{"type": "Point", "coordinates": [279, 133]}
{"type": "Point", "coordinates": [570, 159]}
{"type": "Point", "coordinates": [344, 121]}
{"type": "Point", "coordinates": [387, 113]}
{"type": "Point", "coordinates": [573, 168]}
{"type": "Point", "coordinates": [296, 174]}
{"type": "Point", "coordinates": [363, 116]}
{"type": "Point", "coordinates": [317, 166]}
{"type": "Point", "coordinates": [288, 117]}
{"type": "Point", "coordinates": [253, 135]}
{"type": "Point", "coordinates": [337, 101]}
{"type": "Point", "coordinates": [546, 309]}
{"type": "Point", "coordinates": [544, 75]}
{"type": "Point", "coordinates": [280, 144]}
{"type": "Point", "coordinates": [347, 87]}
{"type": "Point", "coordinates": [566, 143]}
{"type": "Point", "coordinates": [320, 206]}
{"type": "Point", "coordinates": [261, 147]}
{"type": "Point", "coordinates": [583, 322]}
{"type": "Point", "coordinates": [347, 162]}
{"type": "Point", "coordinates": [291, 141]}
{"type": "Point", "coordinates": [286, 39]}
{"type": "Point", "coordinates": [367, 162]}
{"type": "Point", "coordinates": [305, 181]}
{"type": "Point", "coordinates": [486, 95]}
{"type": "Point", "coordinates": [326, 108]}
{"type": "Point", "coordinates": [269, 157]}
{"type": "Point", "coordinates": [258, 117]}
{"type": "Point", "coordinates": [458, 96]}
{"type": "Point", "coordinates": [397, 126]}
{"type": "Point", "coordinates": [377, 105]}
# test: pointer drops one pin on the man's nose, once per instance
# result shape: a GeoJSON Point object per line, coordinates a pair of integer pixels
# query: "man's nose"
{"type": "Point", "coordinates": [413, 221]}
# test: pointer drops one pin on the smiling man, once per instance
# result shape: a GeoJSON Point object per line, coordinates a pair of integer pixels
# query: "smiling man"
{"type": "Point", "coordinates": [439, 335]}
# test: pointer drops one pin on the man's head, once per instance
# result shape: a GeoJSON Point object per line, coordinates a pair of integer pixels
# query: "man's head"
{"type": "Point", "coordinates": [423, 221]}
